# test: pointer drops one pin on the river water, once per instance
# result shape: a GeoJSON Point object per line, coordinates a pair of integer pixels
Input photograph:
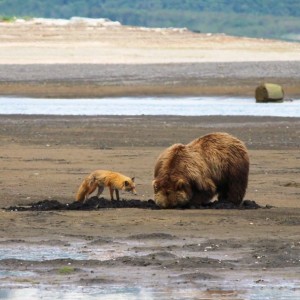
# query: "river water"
{"type": "Point", "coordinates": [185, 106]}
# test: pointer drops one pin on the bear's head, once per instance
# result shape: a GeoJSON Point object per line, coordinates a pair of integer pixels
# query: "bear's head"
{"type": "Point", "coordinates": [171, 193]}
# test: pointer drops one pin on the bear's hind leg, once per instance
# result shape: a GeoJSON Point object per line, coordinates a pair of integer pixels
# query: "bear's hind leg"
{"type": "Point", "coordinates": [222, 192]}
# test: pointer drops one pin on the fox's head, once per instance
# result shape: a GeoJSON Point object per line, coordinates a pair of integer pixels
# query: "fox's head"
{"type": "Point", "coordinates": [129, 185]}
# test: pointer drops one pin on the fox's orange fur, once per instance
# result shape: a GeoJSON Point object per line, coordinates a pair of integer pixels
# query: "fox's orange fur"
{"type": "Point", "coordinates": [103, 178]}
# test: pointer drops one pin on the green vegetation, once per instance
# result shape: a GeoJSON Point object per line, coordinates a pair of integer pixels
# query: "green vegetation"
{"type": "Point", "coordinates": [7, 19]}
{"type": "Point", "coordinates": [66, 270]}
{"type": "Point", "coordinates": [254, 18]}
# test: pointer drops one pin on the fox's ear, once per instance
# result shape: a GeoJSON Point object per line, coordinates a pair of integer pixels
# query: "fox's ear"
{"type": "Point", "coordinates": [126, 183]}
{"type": "Point", "coordinates": [133, 179]}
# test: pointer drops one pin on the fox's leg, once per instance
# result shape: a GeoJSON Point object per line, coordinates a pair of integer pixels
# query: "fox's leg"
{"type": "Point", "coordinates": [100, 190]}
{"type": "Point", "coordinates": [117, 194]}
{"type": "Point", "coordinates": [91, 189]}
{"type": "Point", "coordinates": [111, 191]}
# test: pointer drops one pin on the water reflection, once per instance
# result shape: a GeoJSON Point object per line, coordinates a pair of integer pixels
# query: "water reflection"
{"type": "Point", "coordinates": [135, 293]}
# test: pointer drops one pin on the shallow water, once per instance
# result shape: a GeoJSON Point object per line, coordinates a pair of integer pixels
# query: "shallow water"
{"type": "Point", "coordinates": [186, 106]}
{"type": "Point", "coordinates": [73, 251]}
{"type": "Point", "coordinates": [40, 253]}
{"type": "Point", "coordinates": [246, 285]}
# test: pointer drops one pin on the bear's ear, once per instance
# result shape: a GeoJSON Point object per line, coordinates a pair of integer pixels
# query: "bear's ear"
{"type": "Point", "coordinates": [154, 186]}
{"type": "Point", "coordinates": [180, 184]}
{"type": "Point", "coordinates": [133, 179]}
{"type": "Point", "coordinates": [126, 183]}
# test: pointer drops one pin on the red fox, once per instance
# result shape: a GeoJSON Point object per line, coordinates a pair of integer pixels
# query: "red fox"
{"type": "Point", "coordinates": [101, 178]}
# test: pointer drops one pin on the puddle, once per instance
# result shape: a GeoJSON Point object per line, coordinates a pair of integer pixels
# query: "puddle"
{"type": "Point", "coordinates": [75, 251]}
{"type": "Point", "coordinates": [40, 253]}
{"type": "Point", "coordinates": [7, 273]}
{"type": "Point", "coordinates": [113, 293]}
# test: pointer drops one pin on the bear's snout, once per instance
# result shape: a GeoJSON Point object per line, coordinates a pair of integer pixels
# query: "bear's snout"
{"type": "Point", "coordinates": [171, 199]}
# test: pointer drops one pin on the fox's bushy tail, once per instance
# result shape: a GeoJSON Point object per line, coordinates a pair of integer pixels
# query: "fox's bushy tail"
{"type": "Point", "coordinates": [81, 192]}
{"type": "Point", "coordinates": [88, 185]}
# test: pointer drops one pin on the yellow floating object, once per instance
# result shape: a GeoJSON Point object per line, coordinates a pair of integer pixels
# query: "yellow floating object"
{"type": "Point", "coordinates": [269, 92]}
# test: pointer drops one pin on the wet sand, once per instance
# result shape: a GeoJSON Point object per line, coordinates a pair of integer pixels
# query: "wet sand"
{"type": "Point", "coordinates": [46, 157]}
{"type": "Point", "coordinates": [171, 254]}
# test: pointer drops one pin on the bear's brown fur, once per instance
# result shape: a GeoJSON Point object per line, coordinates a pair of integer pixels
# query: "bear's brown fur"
{"type": "Point", "coordinates": [215, 164]}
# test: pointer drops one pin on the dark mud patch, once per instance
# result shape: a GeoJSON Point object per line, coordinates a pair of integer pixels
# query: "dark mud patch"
{"type": "Point", "coordinates": [160, 260]}
{"type": "Point", "coordinates": [152, 236]}
{"type": "Point", "coordinates": [98, 281]}
{"type": "Point", "coordinates": [95, 203]}
{"type": "Point", "coordinates": [165, 259]}
{"type": "Point", "coordinates": [102, 241]}
{"type": "Point", "coordinates": [198, 276]}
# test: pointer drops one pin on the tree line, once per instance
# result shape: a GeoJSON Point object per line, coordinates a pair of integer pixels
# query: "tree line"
{"type": "Point", "coordinates": [254, 18]}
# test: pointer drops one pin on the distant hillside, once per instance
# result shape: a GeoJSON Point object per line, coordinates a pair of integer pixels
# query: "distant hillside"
{"type": "Point", "coordinates": [254, 18]}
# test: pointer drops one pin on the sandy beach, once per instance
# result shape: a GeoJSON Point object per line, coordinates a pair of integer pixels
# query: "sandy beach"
{"type": "Point", "coordinates": [165, 254]}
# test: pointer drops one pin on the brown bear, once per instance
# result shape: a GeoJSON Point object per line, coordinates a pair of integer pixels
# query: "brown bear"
{"type": "Point", "coordinates": [215, 164]}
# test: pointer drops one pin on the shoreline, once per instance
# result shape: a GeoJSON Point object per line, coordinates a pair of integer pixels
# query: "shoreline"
{"type": "Point", "coordinates": [81, 91]}
{"type": "Point", "coordinates": [184, 79]}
